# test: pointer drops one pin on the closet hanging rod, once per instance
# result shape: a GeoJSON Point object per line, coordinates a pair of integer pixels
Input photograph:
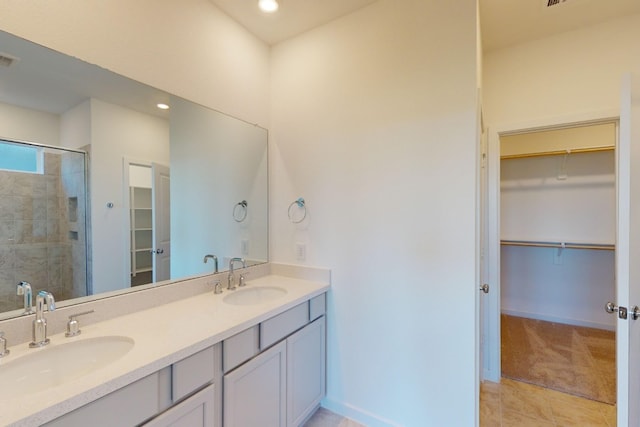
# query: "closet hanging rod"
{"type": "Point", "coordinates": [557, 152]}
{"type": "Point", "coordinates": [559, 245]}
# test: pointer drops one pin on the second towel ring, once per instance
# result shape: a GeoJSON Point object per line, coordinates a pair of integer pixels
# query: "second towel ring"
{"type": "Point", "coordinates": [240, 214]}
{"type": "Point", "coordinates": [301, 205]}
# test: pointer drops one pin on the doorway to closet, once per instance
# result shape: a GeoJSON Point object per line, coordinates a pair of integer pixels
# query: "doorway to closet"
{"type": "Point", "coordinates": [148, 244]}
{"type": "Point", "coordinates": [557, 258]}
{"type": "Point", "coordinates": [557, 221]}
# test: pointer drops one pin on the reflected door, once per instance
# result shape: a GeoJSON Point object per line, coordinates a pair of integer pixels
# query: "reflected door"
{"type": "Point", "coordinates": [161, 223]}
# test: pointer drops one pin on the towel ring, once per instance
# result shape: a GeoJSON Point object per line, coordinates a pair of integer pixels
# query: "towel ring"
{"type": "Point", "coordinates": [301, 205]}
{"type": "Point", "coordinates": [240, 211]}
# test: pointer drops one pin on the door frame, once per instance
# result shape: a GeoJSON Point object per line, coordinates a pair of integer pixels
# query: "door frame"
{"type": "Point", "coordinates": [491, 371]}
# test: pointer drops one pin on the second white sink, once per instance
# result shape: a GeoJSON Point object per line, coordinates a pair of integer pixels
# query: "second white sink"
{"type": "Point", "coordinates": [254, 295]}
{"type": "Point", "coordinates": [51, 366]}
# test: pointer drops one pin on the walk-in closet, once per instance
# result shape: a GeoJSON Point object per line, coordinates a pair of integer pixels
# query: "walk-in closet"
{"type": "Point", "coordinates": [557, 258]}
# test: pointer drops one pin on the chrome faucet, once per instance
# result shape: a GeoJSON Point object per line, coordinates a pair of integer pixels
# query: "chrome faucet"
{"type": "Point", "coordinates": [231, 280]}
{"type": "Point", "coordinates": [40, 323]}
{"type": "Point", "coordinates": [215, 260]}
{"type": "Point", "coordinates": [24, 288]}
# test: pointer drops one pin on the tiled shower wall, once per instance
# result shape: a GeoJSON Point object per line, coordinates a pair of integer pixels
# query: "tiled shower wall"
{"type": "Point", "coordinates": [42, 229]}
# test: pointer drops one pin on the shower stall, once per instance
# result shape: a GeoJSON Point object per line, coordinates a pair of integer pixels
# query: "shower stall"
{"type": "Point", "coordinates": [43, 221]}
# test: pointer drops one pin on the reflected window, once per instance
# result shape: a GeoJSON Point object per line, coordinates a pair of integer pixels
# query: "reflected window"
{"type": "Point", "coordinates": [20, 157]}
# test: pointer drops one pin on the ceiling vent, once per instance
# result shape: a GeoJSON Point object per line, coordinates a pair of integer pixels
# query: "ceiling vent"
{"type": "Point", "coordinates": [551, 3]}
{"type": "Point", "coordinates": [7, 60]}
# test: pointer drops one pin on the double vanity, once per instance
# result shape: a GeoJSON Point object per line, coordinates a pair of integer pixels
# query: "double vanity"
{"type": "Point", "coordinates": [177, 355]}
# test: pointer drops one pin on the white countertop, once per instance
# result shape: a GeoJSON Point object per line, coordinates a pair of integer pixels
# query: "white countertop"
{"type": "Point", "coordinates": [162, 335]}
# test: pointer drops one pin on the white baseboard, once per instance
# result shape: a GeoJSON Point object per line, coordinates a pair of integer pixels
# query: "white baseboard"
{"type": "Point", "coordinates": [356, 414]}
{"type": "Point", "coordinates": [488, 375]}
{"type": "Point", "coordinates": [575, 322]}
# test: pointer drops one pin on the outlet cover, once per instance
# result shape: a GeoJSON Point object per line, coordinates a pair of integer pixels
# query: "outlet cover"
{"type": "Point", "coordinates": [301, 251]}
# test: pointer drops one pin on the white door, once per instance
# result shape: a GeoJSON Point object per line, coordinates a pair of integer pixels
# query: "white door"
{"type": "Point", "coordinates": [485, 287]}
{"type": "Point", "coordinates": [628, 253]}
{"type": "Point", "coordinates": [490, 264]}
{"type": "Point", "coordinates": [161, 223]}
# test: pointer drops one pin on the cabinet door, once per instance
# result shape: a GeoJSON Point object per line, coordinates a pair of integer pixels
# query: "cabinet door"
{"type": "Point", "coordinates": [254, 393]}
{"type": "Point", "coordinates": [305, 371]}
{"type": "Point", "coordinates": [196, 411]}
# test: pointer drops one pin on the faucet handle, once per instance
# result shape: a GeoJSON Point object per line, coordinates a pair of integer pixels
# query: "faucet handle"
{"type": "Point", "coordinates": [73, 327]}
{"type": "Point", "coordinates": [231, 285]}
{"type": "Point", "coordinates": [24, 289]}
{"type": "Point", "coordinates": [217, 287]}
{"type": "Point", "coordinates": [3, 345]}
{"type": "Point", "coordinates": [241, 279]}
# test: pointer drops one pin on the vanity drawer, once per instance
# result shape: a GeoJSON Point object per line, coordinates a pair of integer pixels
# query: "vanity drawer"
{"type": "Point", "coordinates": [278, 327]}
{"type": "Point", "coordinates": [192, 373]}
{"type": "Point", "coordinates": [129, 405]}
{"type": "Point", "coordinates": [317, 307]}
{"type": "Point", "coordinates": [240, 348]}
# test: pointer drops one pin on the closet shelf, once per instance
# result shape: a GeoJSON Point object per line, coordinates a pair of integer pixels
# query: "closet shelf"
{"type": "Point", "coordinates": [557, 152]}
{"type": "Point", "coordinates": [559, 245]}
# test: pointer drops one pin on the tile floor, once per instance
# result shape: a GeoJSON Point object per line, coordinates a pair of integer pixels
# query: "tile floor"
{"type": "Point", "coordinates": [513, 403]}
{"type": "Point", "coordinates": [326, 418]}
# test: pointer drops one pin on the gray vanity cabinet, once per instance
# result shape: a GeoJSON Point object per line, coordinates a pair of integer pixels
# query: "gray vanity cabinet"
{"type": "Point", "coordinates": [269, 375]}
{"type": "Point", "coordinates": [182, 393]}
{"type": "Point", "coordinates": [196, 411]}
{"type": "Point", "coordinates": [305, 372]}
{"type": "Point", "coordinates": [255, 393]}
{"type": "Point", "coordinates": [282, 385]}
{"type": "Point", "coordinates": [127, 406]}
{"type": "Point", "coordinates": [188, 375]}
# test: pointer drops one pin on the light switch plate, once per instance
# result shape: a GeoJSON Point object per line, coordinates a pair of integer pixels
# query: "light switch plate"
{"type": "Point", "coordinates": [301, 251]}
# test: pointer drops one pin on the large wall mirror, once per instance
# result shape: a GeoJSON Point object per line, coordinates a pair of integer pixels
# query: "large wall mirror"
{"type": "Point", "coordinates": [123, 195]}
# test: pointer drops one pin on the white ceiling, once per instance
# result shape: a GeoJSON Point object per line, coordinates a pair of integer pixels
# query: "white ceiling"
{"type": "Point", "coordinates": [294, 16]}
{"type": "Point", "coordinates": [509, 22]}
{"type": "Point", "coordinates": [503, 22]}
{"type": "Point", "coordinates": [46, 80]}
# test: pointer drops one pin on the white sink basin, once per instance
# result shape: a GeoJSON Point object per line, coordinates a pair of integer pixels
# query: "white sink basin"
{"type": "Point", "coordinates": [257, 295]}
{"type": "Point", "coordinates": [54, 365]}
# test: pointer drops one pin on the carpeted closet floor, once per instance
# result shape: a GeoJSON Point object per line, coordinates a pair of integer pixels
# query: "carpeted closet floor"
{"type": "Point", "coordinates": [572, 359]}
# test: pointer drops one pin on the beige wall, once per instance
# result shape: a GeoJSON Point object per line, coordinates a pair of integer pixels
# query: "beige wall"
{"type": "Point", "coordinates": [567, 74]}
{"type": "Point", "coordinates": [23, 124]}
{"type": "Point", "coordinates": [573, 74]}
{"type": "Point", "coordinates": [372, 119]}
{"type": "Point", "coordinates": [374, 124]}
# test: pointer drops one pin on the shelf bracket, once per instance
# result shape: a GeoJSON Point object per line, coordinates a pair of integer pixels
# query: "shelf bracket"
{"type": "Point", "coordinates": [562, 171]}
{"type": "Point", "coordinates": [557, 259]}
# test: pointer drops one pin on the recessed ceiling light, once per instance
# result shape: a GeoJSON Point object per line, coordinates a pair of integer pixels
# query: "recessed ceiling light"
{"type": "Point", "coordinates": [162, 106]}
{"type": "Point", "coordinates": [268, 6]}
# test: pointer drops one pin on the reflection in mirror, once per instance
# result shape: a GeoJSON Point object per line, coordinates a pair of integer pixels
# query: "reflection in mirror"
{"type": "Point", "coordinates": [220, 155]}
{"type": "Point", "coordinates": [42, 221]}
{"type": "Point", "coordinates": [163, 185]}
